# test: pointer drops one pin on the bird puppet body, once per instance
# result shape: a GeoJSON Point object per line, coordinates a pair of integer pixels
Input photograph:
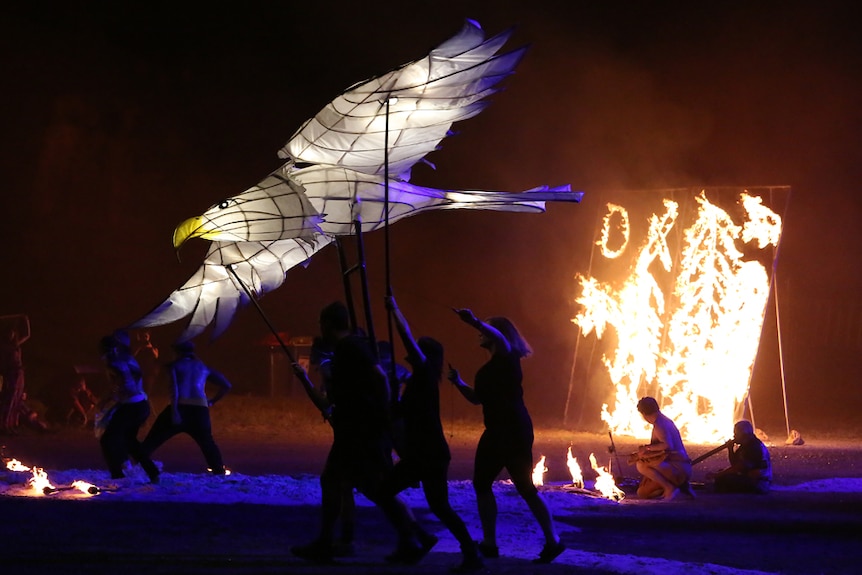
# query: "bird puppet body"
{"type": "Point", "coordinates": [345, 165]}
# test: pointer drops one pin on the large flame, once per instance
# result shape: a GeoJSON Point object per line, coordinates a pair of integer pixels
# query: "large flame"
{"type": "Point", "coordinates": [693, 348]}
{"type": "Point", "coordinates": [539, 472]}
{"type": "Point", "coordinates": [574, 469]}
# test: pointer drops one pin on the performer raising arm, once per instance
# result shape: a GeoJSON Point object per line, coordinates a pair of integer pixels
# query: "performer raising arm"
{"type": "Point", "coordinates": [425, 455]}
{"type": "Point", "coordinates": [507, 441]}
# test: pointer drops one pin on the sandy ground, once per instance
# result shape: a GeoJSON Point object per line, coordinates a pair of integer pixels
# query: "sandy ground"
{"type": "Point", "coordinates": [809, 524]}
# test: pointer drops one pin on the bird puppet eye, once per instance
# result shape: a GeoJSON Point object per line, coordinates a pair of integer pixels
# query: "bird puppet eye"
{"type": "Point", "coordinates": [224, 204]}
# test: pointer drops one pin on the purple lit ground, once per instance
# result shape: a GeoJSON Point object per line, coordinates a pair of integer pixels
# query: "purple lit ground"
{"type": "Point", "coordinates": [193, 523]}
{"type": "Point", "coordinates": [127, 118]}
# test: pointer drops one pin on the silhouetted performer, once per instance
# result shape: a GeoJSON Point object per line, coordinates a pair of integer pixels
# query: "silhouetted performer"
{"type": "Point", "coordinates": [12, 370]}
{"type": "Point", "coordinates": [507, 442]}
{"type": "Point", "coordinates": [71, 401]}
{"type": "Point", "coordinates": [397, 375]}
{"type": "Point", "coordinates": [30, 416]}
{"type": "Point", "coordinates": [120, 437]}
{"type": "Point", "coordinates": [147, 356]}
{"type": "Point", "coordinates": [361, 452]}
{"type": "Point", "coordinates": [80, 401]}
{"type": "Point", "coordinates": [321, 361]}
{"type": "Point", "coordinates": [750, 468]}
{"type": "Point", "coordinates": [189, 410]}
{"type": "Point", "coordinates": [425, 453]}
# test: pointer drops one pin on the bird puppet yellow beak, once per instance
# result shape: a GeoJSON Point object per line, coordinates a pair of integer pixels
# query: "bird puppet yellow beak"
{"type": "Point", "coordinates": [191, 228]}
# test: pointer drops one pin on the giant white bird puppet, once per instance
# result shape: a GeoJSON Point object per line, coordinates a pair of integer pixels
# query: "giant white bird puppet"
{"type": "Point", "coordinates": [335, 175]}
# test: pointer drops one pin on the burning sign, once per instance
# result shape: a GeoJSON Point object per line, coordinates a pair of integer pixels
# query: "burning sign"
{"type": "Point", "coordinates": [686, 318]}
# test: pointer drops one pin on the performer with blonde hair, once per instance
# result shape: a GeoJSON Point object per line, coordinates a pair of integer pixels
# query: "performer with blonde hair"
{"type": "Point", "coordinates": [507, 442]}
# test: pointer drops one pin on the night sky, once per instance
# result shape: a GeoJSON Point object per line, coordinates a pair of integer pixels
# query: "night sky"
{"type": "Point", "coordinates": [122, 119]}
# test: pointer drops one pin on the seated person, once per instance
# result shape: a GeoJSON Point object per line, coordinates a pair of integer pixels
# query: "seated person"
{"type": "Point", "coordinates": [663, 463]}
{"type": "Point", "coordinates": [750, 468]}
{"type": "Point", "coordinates": [28, 415]}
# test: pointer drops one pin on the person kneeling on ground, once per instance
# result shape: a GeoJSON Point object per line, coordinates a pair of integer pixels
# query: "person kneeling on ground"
{"type": "Point", "coordinates": [663, 463]}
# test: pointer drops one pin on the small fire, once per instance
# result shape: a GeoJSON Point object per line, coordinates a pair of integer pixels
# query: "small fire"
{"type": "Point", "coordinates": [575, 469]}
{"type": "Point", "coordinates": [605, 482]}
{"type": "Point", "coordinates": [85, 487]}
{"type": "Point", "coordinates": [15, 465]}
{"type": "Point", "coordinates": [539, 472]}
{"type": "Point", "coordinates": [39, 482]}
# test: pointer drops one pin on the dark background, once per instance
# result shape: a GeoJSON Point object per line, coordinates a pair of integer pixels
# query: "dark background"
{"type": "Point", "coordinates": [121, 119]}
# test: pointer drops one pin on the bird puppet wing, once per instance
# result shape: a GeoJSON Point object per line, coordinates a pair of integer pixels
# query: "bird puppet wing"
{"type": "Point", "coordinates": [335, 176]}
{"type": "Point", "coordinates": [424, 98]}
{"type": "Point", "coordinates": [212, 295]}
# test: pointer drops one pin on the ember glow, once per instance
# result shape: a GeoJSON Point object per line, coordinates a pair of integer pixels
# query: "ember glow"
{"type": "Point", "coordinates": [574, 469]}
{"type": "Point", "coordinates": [539, 472]}
{"type": "Point", "coordinates": [687, 318]}
{"type": "Point", "coordinates": [605, 483]}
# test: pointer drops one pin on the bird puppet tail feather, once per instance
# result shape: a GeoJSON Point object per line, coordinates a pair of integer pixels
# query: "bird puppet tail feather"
{"type": "Point", "coordinates": [528, 201]}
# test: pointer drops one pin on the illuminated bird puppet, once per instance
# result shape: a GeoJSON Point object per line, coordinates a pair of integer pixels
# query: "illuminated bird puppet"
{"type": "Point", "coordinates": [343, 166]}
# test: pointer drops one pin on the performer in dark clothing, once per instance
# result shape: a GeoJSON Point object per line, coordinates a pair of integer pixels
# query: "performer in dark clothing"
{"type": "Point", "coordinates": [397, 375]}
{"type": "Point", "coordinates": [321, 362]}
{"type": "Point", "coordinates": [12, 337]}
{"type": "Point", "coordinates": [425, 453]}
{"type": "Point", "coordinates": [750, 468]}
{"type": "Point", "coordinates": [189, 410]}
{"type": "Point", "coordinates": [132, 408]}
{"type": "Point", "coordinates": [361, 452]}
{"type": "Point", "coordinates": [507, 442]}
